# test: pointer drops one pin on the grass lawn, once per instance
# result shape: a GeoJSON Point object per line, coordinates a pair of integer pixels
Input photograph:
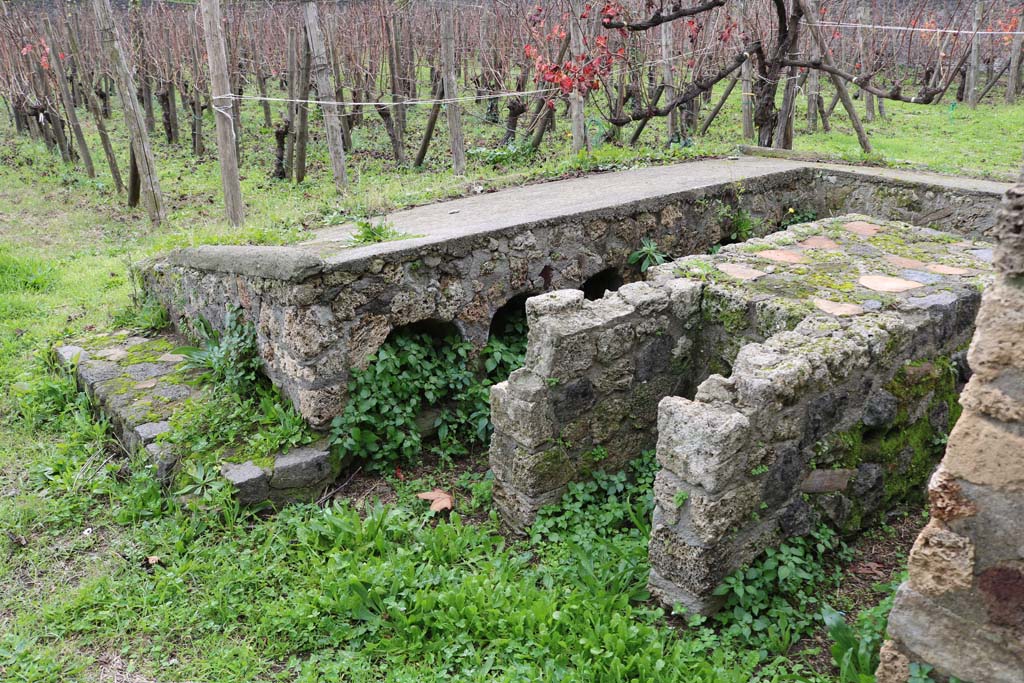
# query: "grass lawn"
{"type": "Point", "coordinates": [102, 575]}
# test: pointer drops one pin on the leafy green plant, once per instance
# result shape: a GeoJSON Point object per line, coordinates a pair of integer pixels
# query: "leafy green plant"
{"type": "Point", "coordinates": [230, 358]}
{"type": "Point", "coordinates": [920, 673]}
{"type": "Point", "coordinates": [217, 423]}
{"type": "Point", "coordinates": [145, 315]}
{"type": "Point", "coordinates": [774, 602]}
{"type": "Point", "coordinates": [794, 216]}
{"type": "Point", "coordinates": [412, 372]}
{"type": "Point", "coordinates": [499, 156]}
{"type": "Point", "coordinates": [201, 480]}
{"type": "Point", "coordinates": [855, 648]}
{"type": "Point", "coordinates": [856, 657]}
{"type": "Point", "coordinates": [45, 394]}
{"type": "Point", "coordinates": [370, 232]}
{"type": "Point", "coordinates": [649, 254]}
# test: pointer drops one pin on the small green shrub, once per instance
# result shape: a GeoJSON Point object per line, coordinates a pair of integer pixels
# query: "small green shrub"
{"type": "Point", "coordinates": [144, 315]}
{"type": "Point", "coordinates": [231, 359]}
{"type": "Point", "coordinates": [500, 156]}
{"type": "Point", "coordinates": [218, 423]}
{"type": "Point", "coordinates": [855, 648]}
{"type": "Point", "coordinates": [649, 254]}
{"type": "Point", "coordinates": [46, 393]}
{"type": "Point", "coordinates": [795, 216]}
{"type": "Point", "coordinates": [369, 232]}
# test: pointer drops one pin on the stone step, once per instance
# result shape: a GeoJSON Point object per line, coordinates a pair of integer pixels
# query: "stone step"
{"type": "Point", "coordinates": [139, 382]}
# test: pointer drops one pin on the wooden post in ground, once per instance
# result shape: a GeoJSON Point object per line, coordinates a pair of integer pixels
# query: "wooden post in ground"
{"type": "Point", "coordinates": [667, 55]}
{"type": "Point", "coordinates": [580, 142]}
{"type": "Point", "coordinates": [810, 16]}
{"type": "Point", "coordinates": [747, 84]}
{"type": "Point", "coordinates": [435, 110]}
{"type": "Point", "coordinates": [813, 95]}
{"type": "Point", "coordinates": [133, 115]}
{"type": "Point", "coordinates": [220, 84]}
{"type": "Point", "coordinates": [69, 105]}
{"type": "Point", "coordinates": [302, 112]}
{"type": "Point", "coordinates": [718, 107]}
{"type": "Point", "coordinates": [1016, 53]}
{"type": "Point", "coordinates": [974, 67]}
{"type": "Point", "coordinates": [866, 61]}
{"type": "Point", "coordinates": [321, 72]}
{"type": "Point", "coordinates": [784, 126]}
{"type": "Point", "coordinates": [448, 76]}
{"type": "Point", "coordinates": [293, 77]}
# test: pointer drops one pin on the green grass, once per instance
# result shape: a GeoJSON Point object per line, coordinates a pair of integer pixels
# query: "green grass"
{"type": "Point", "coordinates": [343, 593]}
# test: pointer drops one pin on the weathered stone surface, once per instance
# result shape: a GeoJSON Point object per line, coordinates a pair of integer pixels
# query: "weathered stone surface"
{"type": "Point", "coordinates": [893, 666]}
{"type": "Point", "coordinates": [147, 433]}
{"type": "Point", "coordinates": [955, 645]}
{"type": "Point", "coordinates": [880, 409]}
{"type": "Point", "coordinates": [323, 308]}
{"type": "Point", "coordinates": [595, 370]}
{"type": "Point", "coordinates": [962, 610]}
{"type": "Point", "coordinates": [705, 445]}
{"type": "Point", "coordinates": [988, 452]}
{"type": "Point", "coordinates": [251, 483]}
{"type": "Point", "coordinates": [301, 467]}
{"type": "Point", "coordinates": [164, 460]}
{"type": "Point", "coordinates": [69, 355]}
{"type": "Point", "coordinates": [941, 561]}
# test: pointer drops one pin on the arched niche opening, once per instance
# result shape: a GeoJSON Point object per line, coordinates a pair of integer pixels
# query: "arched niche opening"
{"type": "Point", "coordinates": [608, 280]}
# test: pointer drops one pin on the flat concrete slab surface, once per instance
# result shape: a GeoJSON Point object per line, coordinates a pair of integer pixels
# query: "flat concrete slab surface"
{"type": "Point", "coordinates": [558, 199]}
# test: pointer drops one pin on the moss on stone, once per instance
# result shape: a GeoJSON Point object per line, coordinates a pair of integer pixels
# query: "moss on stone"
{"type": "Point", "coordinates": [148, 352]}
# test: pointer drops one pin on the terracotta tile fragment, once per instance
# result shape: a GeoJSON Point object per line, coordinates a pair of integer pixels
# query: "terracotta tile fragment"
{"type": "Point", "coordinates": [863, 228]}
{"type": "Point", "coordinates": [884, 283]}
{"type": "Point", "coordinates": [946, 270]}
{"type": "Point", "coordinates": [837, 308]}
{"type": "Point", "coordinates": [818, 242]}
{"type": "Point", "coordinates": [903, 262]}
{"type": "Point", "coordinates": [740, 272]}
{"type": "Point", "coordinates": [780, 255]}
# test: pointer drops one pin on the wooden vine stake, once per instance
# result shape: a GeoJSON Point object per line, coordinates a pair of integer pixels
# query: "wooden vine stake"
{"type": "Point", "coordinates": [220, 82]}
{"type": "Point", "coordinates": [450, 89]}
{"type": "Point", "coordinates": [580, 142]}
{"type": "Point", "coordinates": [1016, 53]}
{"type": "Point", "coordinates": [69, 104]}
{"type": "Point", "coordinates": [133, 115]}
{"type": "Point", "coordinates": [810, 16]}
{"type": "Point", "coordinates": [321, 69]}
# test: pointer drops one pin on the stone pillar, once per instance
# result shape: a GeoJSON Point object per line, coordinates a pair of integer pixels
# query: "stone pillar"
{"type": "Point", "coordinates": [962, 609]}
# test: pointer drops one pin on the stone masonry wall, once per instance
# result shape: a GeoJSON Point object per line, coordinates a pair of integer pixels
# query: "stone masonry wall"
{"type": "Point", "coordinates": [962, 609]}
{"type": "Point", "coordinates": [587, 395]}
{"type": "Point", "coordinates": [319, 314]}
{"type": "Point", "coordinates": [834, 420]}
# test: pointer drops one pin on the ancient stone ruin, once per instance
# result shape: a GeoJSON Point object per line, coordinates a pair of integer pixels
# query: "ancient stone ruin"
{"type": "Point", "coordinates": [962, 610]}
{"type": "Point", "coordinates": [801, 376]}
{"type": "Point", "coordinates": [324, 307]}
{"type": "Point", "coordinates": [808, 374]}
